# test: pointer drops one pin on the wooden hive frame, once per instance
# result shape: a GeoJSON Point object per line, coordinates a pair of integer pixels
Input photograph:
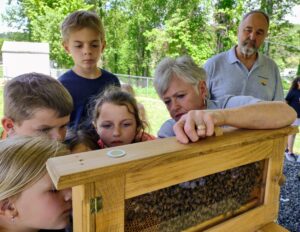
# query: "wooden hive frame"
{"type": "Point", "coordinates": [100, 184]}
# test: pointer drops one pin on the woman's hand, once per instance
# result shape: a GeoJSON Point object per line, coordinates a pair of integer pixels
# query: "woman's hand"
{"type": "Point", "coordinates": [263, 115]}
{"type": "Point", "coordinates": [196, 124]}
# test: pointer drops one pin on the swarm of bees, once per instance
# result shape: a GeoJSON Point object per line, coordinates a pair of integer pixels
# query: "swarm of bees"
{"type": "Point", "coordinates": [188, 204]}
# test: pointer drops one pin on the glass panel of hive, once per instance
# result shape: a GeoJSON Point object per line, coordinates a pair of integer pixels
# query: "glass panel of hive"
{"type": "Point", "coordinates": [203, 202]}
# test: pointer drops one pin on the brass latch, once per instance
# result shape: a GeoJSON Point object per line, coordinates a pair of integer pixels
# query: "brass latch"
{"type": "Point", "coordinates": [95, 204]}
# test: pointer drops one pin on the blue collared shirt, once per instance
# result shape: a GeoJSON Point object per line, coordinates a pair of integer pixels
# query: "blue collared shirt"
{"type": "Point", "coordinates": [227, 75]}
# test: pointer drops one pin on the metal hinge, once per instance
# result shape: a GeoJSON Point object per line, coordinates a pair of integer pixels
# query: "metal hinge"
{"type": "Point", "coordinates": [95, 204]}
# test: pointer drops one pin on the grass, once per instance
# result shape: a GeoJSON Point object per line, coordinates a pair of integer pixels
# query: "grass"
{"type": "Point", "coordinates": [146, 92]}
{"type": "Point", "coordinates": [156, 112]}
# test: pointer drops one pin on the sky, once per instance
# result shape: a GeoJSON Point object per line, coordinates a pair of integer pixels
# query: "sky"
{"type": "Point", "coordinates": [3, 28]}
{"type": "Point", "coordinates": [294, 17]}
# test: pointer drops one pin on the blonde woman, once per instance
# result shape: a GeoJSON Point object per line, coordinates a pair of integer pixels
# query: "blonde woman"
{"type": "Point", "coordinates": [28, 199]}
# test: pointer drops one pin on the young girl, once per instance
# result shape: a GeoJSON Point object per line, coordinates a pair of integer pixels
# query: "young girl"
{"type": "Point", "coordinates": [117, 121]}
{"type": "Point", "coordinates": [293, 99]}
{"type": "Point", "coordinates": [28, 199]}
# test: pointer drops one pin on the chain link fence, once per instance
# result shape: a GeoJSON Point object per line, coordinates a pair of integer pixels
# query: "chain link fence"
{"type": "Point", "coordinates": [144, 85]}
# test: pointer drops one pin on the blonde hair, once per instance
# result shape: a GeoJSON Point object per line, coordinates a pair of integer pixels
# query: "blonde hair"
{"type": "Point", "coordinates": [82, 19]}
{"type": "Point", "coordinates": [25, 94]}
{"type": "Point", "coordinates": [23, 162]}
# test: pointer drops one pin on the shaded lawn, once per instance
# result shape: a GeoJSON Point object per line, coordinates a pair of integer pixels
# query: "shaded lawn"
{"type": "Point", "coordinates": [156, 113]}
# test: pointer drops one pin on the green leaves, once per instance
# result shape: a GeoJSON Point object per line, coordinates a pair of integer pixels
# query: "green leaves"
{"type": "Point", "coordinates": [140, 33]}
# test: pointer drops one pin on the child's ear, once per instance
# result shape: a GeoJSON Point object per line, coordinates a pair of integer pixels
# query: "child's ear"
{"type": "Point", "coordinates": [7, 208]}
{"type": "Point", "coordinates": [8, 125]}
{"type": "Point", "coordinates": [202, 89]}
{"type": "Point", "coordinates": [66, 46]}
{"type": "Point", "coordinates": [103, 46]}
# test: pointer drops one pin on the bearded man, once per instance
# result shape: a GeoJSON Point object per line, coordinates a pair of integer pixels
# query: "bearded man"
{"type": "Point", "coordinates": [242, 70]}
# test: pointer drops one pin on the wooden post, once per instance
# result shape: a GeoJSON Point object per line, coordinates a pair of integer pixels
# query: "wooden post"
{"type": "Point", "coordinates": [83, 219]}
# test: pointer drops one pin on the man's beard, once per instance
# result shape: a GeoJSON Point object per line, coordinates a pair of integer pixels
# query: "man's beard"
{"type": "Point", "coordinates": [246, 50]}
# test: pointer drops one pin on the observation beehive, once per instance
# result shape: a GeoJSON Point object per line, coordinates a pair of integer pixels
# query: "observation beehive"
{"type": "Point", "coordinates": [228, 183]}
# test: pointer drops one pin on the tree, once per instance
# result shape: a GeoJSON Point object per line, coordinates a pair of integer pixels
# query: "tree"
{"type": "Point", "coordinates": [227, 15]}
{"type": "Point", "coordinates": [277, 10]}
{"type": "Point", "coordinates": [43, 18]}
{"type": "Point", "coordinates": [141, 33]}
{"type": "Point", "coordinates": [115, 55]}
{"type": "Point", "coordinates": [15, 17]}
{"type": "Point", "coordinates": [183, 31]}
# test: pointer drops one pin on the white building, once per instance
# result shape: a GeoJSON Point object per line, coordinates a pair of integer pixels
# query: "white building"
{"type": "Point", "coordinates": [24, 57]}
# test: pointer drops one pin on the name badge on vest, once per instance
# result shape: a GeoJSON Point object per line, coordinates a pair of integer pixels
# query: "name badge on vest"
{"type": "Point", "coordinates": [264, 82]}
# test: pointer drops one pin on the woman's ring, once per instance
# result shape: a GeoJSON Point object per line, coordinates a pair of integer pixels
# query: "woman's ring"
{"type": "Point", "coordinates": [201, 127]}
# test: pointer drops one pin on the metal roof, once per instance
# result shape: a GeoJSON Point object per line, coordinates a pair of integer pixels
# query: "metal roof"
{"type": "Point", "coordinates": [25, 47]}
